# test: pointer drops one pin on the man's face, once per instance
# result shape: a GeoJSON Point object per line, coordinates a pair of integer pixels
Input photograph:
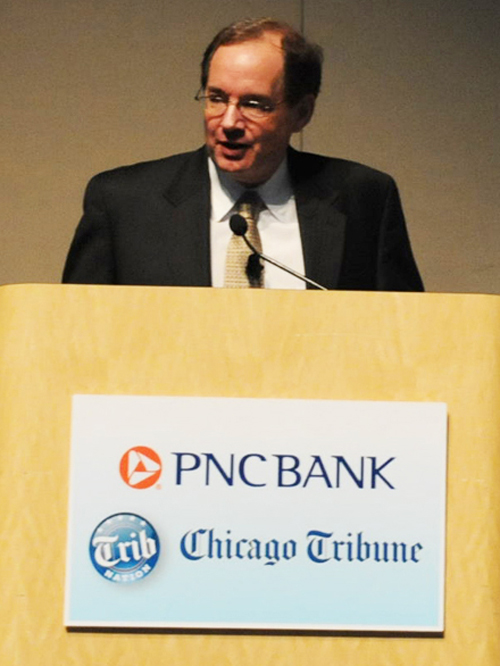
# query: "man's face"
{"type": "Point", "coordinates": [251, 150]}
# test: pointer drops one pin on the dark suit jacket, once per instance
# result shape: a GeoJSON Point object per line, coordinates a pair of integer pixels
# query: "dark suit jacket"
{"type": "Point", "coordinates": [148, 224]}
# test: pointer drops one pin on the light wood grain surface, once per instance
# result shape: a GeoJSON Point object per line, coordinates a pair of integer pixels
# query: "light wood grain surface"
{"type": "Point", "coordinates": [56, 341]}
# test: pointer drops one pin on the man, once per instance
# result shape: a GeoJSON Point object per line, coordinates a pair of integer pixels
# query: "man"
{"type": "Point", "coordinates": [166, 222]}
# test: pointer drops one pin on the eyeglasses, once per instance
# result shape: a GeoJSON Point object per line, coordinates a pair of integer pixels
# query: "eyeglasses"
{"type": "Point", "coordinates": [253, 108]}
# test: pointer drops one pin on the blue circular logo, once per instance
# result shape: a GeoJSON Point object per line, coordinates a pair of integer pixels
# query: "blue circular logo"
{"type": "Point", "coordinates": [124, 548]}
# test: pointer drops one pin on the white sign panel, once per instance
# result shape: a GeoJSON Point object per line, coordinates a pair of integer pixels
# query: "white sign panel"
{"type": "Point", "coordinates": [257, 514]}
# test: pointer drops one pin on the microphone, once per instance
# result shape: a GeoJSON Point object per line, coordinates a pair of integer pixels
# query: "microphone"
{"type": "Point", "coordinates": [239, 227]}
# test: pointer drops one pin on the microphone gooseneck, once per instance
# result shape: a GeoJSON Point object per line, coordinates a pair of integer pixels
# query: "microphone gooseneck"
{"type": "Point", "coordinates": [239, 227]}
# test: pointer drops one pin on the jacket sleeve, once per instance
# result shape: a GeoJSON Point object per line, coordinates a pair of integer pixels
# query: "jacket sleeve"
{"type": "Point", "coordinates": [91, 258]}
{"type": "Point", "coordinates": [396, 269]}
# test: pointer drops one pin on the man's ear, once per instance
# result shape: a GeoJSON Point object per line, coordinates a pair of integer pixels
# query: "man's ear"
{"type": "Point", "coordinates": [304, 110]}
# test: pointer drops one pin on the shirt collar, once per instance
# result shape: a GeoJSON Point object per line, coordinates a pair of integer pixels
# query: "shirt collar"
{"type": "Point", "coordinates": [276, 192]}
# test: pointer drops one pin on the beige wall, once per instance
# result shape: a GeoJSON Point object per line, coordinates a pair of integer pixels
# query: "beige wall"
{"type": "Point", "coordinates": [410, 88]}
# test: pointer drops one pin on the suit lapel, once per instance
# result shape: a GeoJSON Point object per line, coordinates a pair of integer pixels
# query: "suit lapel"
{"type": "Point", "coordinates": [188, 198]}
{"type": "Point", "coordinates": [322, 224]}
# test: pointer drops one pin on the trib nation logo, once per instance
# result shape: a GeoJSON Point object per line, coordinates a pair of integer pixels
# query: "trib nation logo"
{"type": "Point", "coordinates": [140, 467]}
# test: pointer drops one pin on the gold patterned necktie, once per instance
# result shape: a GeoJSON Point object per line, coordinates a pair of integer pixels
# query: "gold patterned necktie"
{"type": "Point", "coordinates": [249, 206]}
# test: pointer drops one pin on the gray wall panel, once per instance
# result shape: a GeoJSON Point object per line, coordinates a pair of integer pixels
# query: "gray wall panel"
{"type": "Point", "coordinates": [412, 88]}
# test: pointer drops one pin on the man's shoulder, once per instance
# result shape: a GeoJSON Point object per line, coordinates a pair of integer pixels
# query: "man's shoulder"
{"type": "Point", "coordinates": [306, 166]}
{"type": "Point", "coordinates": [159, 172]}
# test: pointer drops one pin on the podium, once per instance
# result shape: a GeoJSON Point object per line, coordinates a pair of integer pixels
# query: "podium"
{"type": "Point", "coordinates": [57, 341]}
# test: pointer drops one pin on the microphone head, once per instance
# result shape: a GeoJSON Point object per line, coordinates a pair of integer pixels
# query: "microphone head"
{"type": "Point", "coordinates": [238, 225]}
{"type": "Point", "coordinates": [254, 269]}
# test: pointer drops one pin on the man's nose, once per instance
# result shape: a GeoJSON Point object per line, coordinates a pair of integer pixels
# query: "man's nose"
{"type": "Point", "coordinates": [232, 118]}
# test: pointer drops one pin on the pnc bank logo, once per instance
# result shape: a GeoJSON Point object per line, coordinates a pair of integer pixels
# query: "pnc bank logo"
{"type": "Point", "coordinates": [140, 467]}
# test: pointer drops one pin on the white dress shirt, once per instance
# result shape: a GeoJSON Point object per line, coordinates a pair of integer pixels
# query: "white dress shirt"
{"type": "Point", "coordinates": [278, 226]}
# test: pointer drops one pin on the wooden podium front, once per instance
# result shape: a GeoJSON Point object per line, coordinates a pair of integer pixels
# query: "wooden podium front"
{"type": "Point", "coordinates": [56, 341]}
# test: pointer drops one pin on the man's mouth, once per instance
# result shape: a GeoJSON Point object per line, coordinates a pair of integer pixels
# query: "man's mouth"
{"type": "Point", "coordinates": [233, 149]}
{"type": "Point", "coordinates": [233, 145]}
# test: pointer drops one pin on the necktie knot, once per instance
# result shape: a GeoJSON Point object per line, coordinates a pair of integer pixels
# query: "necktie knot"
{"type": "Point", "coordinates": [249, 205]}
